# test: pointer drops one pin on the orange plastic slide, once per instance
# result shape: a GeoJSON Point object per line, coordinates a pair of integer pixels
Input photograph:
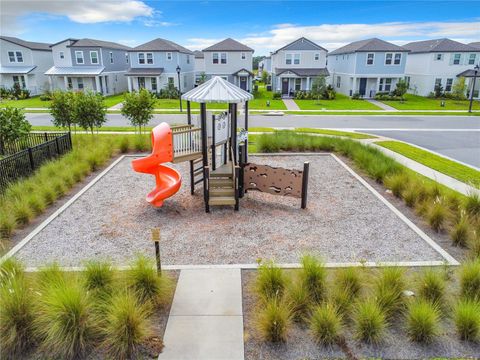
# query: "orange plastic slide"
{"type": "Point", "coordinates": [168, 180]}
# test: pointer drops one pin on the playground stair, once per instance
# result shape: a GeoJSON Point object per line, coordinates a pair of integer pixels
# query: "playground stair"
{"type": "Point", "coordinates": [222, 185]}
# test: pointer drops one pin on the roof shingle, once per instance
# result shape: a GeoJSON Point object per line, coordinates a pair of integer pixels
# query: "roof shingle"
{"type": "Point", "coordinates": [228, 45]}
{"type": "Point", "coordinates": [162, 45]}
{"type": "Point", "coordinates": [437, 45]}
{"type": "Point", "coordinates": [28, 44]}
{"type": "Point", "coordinates": [367, 45]}
{"type": "Point", "coordinates": [98, 43]}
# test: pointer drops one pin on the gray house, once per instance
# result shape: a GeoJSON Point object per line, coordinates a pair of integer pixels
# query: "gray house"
{"type": "Point", "coordinates": [295, 65]}
{"type": "Point", "coordinates": [230, 60]}
{"type": "Point", "coordinates": [24, 63]}
{"type": "Point", "coordinates": [154, 65]}
{"type": "Point", "coordinates": [89, 64]}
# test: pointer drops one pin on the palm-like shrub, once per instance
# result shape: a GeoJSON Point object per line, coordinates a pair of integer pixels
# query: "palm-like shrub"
{"type": "Point", "coordinates": [326, 323]}
{"type": "Point", "coordinates": [274, 320]}
{"type": "Point", "coordinates": [126, 327]}
{"type": "Point", "coordinates": [423, 320]}
{"type": "Point", "coordinates": [370, 321]}
{"type": "Point", "coordinates": [271, 281]}
{"type": "Point", "coordinates": [313, 276]}
{"type": "Point", "coordinates": [432, 286]}
{"type": "Point", "coordinates": [467, 319]}
{"type": "Point", "coordinates": [470, 280]}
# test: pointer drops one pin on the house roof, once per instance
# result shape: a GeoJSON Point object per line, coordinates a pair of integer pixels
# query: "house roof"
{"type": "Point", "coordinates": [304, 72]}
{"type": "Point", "coordinates": [468, 73]}
{"type": "Point", "coordinates": [144, 72]}
{"type": "Point", "coordinates": [27, 44]}
{"type": "Point", "coordinates": [367, 45]}
{"type": "Point", "coordinates": [243, 70]}
{"type": "Point", "coordinates": [16, 69]}
{"type": "Point", "coordinates": [75, 70]}
{"type": "Point", "coordinates": [475, 44]}
{"type": "Point", "coordinates": [228, 45]}
{"type": "Point", "coordinates": [217, 90]}
{"type": "Point", "coordinates": [93, 43]}
{"type": "Point", "coordinates": [198, 54]}
{"type": "Point", "coordinates": [437, 45]}
{"type": "Point", "coordinates": [162, 45]}
{"type": "Point", "coordinates": [301, 44]}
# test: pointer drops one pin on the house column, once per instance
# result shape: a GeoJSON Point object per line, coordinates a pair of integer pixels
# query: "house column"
{"type": "Point", "coordinates": [129, 83]}
{"type": "Point", "coordinates": [308, 83]}
{"type": "Point", "coordinates": [354, 85]}
{"type": "Point", "coordinates": [378, 84]}
{"type": "Point", "coordinates": [50, 81]}
{"type": "Point", "coordinates": [65, 81]}
{"type": "Point", "coordinates": [158, 83]}
{"type": "Point", "coordinates": [25, 77]}
{"type": "Point", "coordinates": [97, 85]}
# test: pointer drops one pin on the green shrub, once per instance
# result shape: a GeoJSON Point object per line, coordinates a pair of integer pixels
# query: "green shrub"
{"type": "Point", "coordinates": [313, 276]}
{"type": "Point", "coordinates": [51, 276]}
{"type": "Point", "coordinates": [7, 224]}
{"type": "Point", "coordinates": [474, 246]}
{"type": "Point", "coordinates": [467, 319]}
{"type": "Point", "coordinates": [423, 321]}
{"type": "Point", "coordinates": [10, 268]}
{"type": "Point", "coordinates": [298, 299]}
{"type": "Point", "coordinates": [141, 143]}
{"type": "Point", "coordinates": [397, 183]}
{"type": "Point", "coordinates": [274, 320]}
{"type": "Point", "coordinates": [388, 290]}
{"type": "Point", "coordinates": [437, 215]}
{"type": "Point", "coordinates": [22, 212]}
{"type": "Point", "coordinates": [432, 286]}
{"type": "Point", "coordinates": [325, 324]}
{"type": "Point", "coordinates": [36, 203]}
{"type": "Point", "coordinates": [349, 279]}
{"type": "Point", "coordinates": [370, 321]}
{"type": "Point", "coordinates": [126, 327]}
{"type": "Point", "coordinates": [470, 280]}
{"type": "Point", "coordinates": [460, 232]}
{"type": "Point", "coordinates": [271, 281]}
{"type": "Point", "coordinates": [64, 321]}
{"type": "Point", "coordinates": [98, 277]}
{"type": "Point", "coordinates": [124, 144]}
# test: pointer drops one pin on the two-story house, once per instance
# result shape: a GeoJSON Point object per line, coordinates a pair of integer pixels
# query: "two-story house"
{"type": "Point", "coordinates": [199, 65]}
{"type": "Point", "coordinates": [154, 65]}
{"type": "Point", "coordinates": [24, 63]}
{"type": "Point", "coordinates": [295, 65]}
{"type": "Point", "coordinates": [265, 65]}
{"type": "Point", "coordinates": [89, 64]}
{"type": "Point", "coordinates": [230, 60]}
{"type": "Point", "coordinates": [438, 62]}
{"type": "Point", "coordinates": [366, 67]}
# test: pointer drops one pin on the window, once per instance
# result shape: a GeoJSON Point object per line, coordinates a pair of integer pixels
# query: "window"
{"type": "Point", "coordinates": [456, 59]}
{"type": "Point", "coordinates": [215, 58]}
{"type": "Point", "coordinates": [339, 79]}
{"type": "Point", "coordinates": [438, 82]}
{"type": "Point", "coordinates": [141, 58]}
{"type": "Point", "coordinates": [317, 57]}
{"type": "Point", "coordinates": [80, 82]}
{"type": "Point", "coordinates": [471, 59]}
{"type": "Point", "coordinates": [244, 56]}
{"type": "Point", "coordinates": [94, 57]}
{"type": "Point", "coordinates": [288, 59]}
{"type": "Point", "coordinates": [150, 58]}
{"type": "Point", "coordinates": [111, 57]}
{"type": "Point", "coordinates": [397, 59]}
{"type": "Point", "coordinates": [385, 84]}
{"type": "Point", "coordinates": [370, 58]}
{"type": "Point", "coordinates": [19, 56]}
{"type": "Point", "coordinates": [69, 83]}
{"type": "Point", "coordinates": [20, 81]}
{"type": "Point", "coordinates": [171, 81]}
{"type": "Point", "coordinates": [126, 57]}
{"type": "Point", "coordinates": [153, 81]}
{"type": "Point", "coordinates": [141, 82]}
{"type": "Point", "coordinates": [438, 57]}
{"type": "Point", "coordinates": [79, 57]}
{"type": "Point", "coordinates": [296, 59]}
{"type": "Point", "coordinates": [223, 58]}
{"type": "Point", "coordinates": [388, 58]}
{"type": "Point", "coordinates": [61, 54]}
{"type": "Point", "coordinates": [448, 85]}
{"type": "Point", "coordinates": [298, 84]}
{"type": "Point", "coordinates": [15, 56]}
{"type": "Point", "coordinates": [169, 56]}
{"type": "Point", "coordinates": [11, 56]}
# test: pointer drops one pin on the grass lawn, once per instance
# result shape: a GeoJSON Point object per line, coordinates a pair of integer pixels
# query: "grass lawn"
{"type": "Point", "coordinates": [113, 100]}
{"type": "Point", "coordinates": [341, 102]}
{"type": "Point", "coordinates": [175, 104]}
{"type": "Point", "coordinates": [415, 102]}
{"type": "Point", "coordinates": [445, 166]}
{"type": "Point", "coordinates": [381, 113]}
{"type": "Point", "coordinates": [261, 97]}
{"type": "Point", "coordinates": [33, 102]}
{"type": "Point", "coordinates": [351, 135]}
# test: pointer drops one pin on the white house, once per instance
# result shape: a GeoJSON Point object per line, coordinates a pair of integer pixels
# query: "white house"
{"type": "Point", "coordinates": [230, 60]}
{"type": "Point", "coordinates": [89, 64]}
{"type": "Point", "coordinates": [440, 61]}
{"type": "Point", "coordinates": [265, 65]}
{"type": "Point", "coordinates": [295, 65]}
{"type": "Point", "coordinates": [24, 63]}
{"type": "Point", "coordinates": [160, 62]}
{"type": "Point", "coordinates": [366, 67]}
{"type": "Point", "coordinates": [199, 65]}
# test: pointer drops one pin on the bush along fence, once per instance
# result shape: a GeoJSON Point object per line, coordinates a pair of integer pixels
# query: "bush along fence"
{"type": "Point", "coordinates": [26, 155]}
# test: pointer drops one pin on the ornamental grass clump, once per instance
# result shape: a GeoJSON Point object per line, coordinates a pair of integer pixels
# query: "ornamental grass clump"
{"type": "Point", "coordinates": [388, 290]}
{"type": "Point", "coordinates": [470, 280]}
{"type": "Point", "coordinates": [349, 279]}
{"type": "Point", "coordinates": [432, 286]}
{"type": "Point", "coordinates": [124, 144]}
{"type": "Point", "coordinates": [397, 183]}
{"type": "Point", "coordinates": [472, 204]}
{"type": "Point", "coordinates": [22, 212]}
{"type": "Point", "coordinates": [99, 277]}
{"type": "Point", "coordinates": [474, 246]}
{"type": "Point", "coordinates": [325, 324]}
{"type": "Point", "coordinates": [274, 320]}
{"type": "Point", "coordinates": [8, 224]}
{"type": "Point", "coordinates": [298, 299]}
{"type": "Point", "coordinates": [51, 276]}
{"type": "Point", "coordinates": [370, 321]}
{"type": "Point", "coordinates": [10, 268]}
{"type": "Point", "coordinates": [126, 326]}
{"type": "Point", "coordinates": [423, 321]}
{"type": "Point", "coordinates": [313, 276]}
{"type": "Point", "coordinates": [467, 319]}
{"type": "Point", "coordinates": [271, 281]}
{"type": "Point", "coordinates": [460, 233]}
{"type": "Point", "coordinates": [437, 215]}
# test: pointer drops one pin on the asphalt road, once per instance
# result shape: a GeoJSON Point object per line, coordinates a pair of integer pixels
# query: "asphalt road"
{"type": "Point", "coordinates": [457, 137]}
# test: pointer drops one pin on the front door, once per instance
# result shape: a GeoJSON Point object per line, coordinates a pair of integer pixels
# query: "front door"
{"type": "Point", "coordinates": [285, 86]}
{"type": "Point", "coordinates": [363, 86]}
{"type": "Point", "coordinates": [243, 83]}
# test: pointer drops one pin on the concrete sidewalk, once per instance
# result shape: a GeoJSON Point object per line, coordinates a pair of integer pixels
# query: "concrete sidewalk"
{"type": "Point", "coordinates": [291, 104]}
{"type": "Point", "coordinates": [381, 105]}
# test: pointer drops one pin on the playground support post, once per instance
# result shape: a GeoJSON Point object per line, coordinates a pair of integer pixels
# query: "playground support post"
{"type": "Point", "coordinates": [156, 240]}
{"type": "Point", "coordinates": [192, 176]}
{"type": "Point", "coordinates": [306, 168]}
{"type": "Point", "coordinates": [246, 129]}
{"type": "Point", "coordinates": [237, 190]}
{"type": "Point", "coordinates": [242, 155]}
{"type": "Point", "coordinates": [206, 193]}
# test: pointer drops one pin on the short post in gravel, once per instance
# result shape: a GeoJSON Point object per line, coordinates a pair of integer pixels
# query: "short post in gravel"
{"type": "Point", "coordinates": [156, 240]}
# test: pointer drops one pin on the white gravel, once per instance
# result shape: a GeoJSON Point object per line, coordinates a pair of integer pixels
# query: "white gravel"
{"type": "Point", "coordinates": [344, 222]}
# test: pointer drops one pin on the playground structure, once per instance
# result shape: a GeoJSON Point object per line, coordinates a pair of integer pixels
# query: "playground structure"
{"type": "Point", "coordinates": [217, 154]}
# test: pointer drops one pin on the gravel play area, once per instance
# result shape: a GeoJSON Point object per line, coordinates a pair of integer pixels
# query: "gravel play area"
{"type": "Point", "coordinates": [343, 222]}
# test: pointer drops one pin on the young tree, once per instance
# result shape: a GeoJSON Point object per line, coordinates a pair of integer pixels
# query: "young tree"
{"type": "Point", "coordinates": [459, 89]}
{"type": "Point", "coordinates": [265, 77]}
{"type": "Point", "coordinates": [138, 108]}
{"type": "Point", "coordinates": [202, 78]}
{"type": "Point", "coordinates": [401, 88]}
{"type": "Point", "coordinates": [90, 111]}
{"type": "Point", "coordinates": [319, 85]}
{"type": "Point", "coordinates": [13, 125]}
{"type": "Point", "coordinates": [438, 90]}
{"type": "Point", "coordinates": [62, 109]}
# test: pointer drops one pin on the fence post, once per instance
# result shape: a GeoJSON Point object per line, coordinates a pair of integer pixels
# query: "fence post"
{"type": "Point", "coordinates": [58, 146]}
{"type": "Point", "coordinates": [30, 156]}
{"type": "Point", "coordinates": [46, 136]}
{"type": "Point", "coordinates": [306, 167]}
{"type": "Point", "coordinates": [70, 140]}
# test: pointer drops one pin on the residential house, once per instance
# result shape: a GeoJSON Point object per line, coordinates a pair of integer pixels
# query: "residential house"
{"type": "Point", "coordinates": [89, 64]}
{"type": "Point", "coordinates": [439, 61]}
{"type": "Point", "coordinates": [199, 65]}
{"type": "Point", "coordinates": [366, 67]}
{"type": "Point", "coordinates": [295, 65]}
{"type": "Point", "coordinates": [154, 65]}
{"type": "Point", "coordinates": [476, 44]}
{"type": "Point", "coordinates": [24, 63]}
{"type": "Point", "coordinates": [265, 65]}
{"type": "Point", "coordinates": [230, 60]}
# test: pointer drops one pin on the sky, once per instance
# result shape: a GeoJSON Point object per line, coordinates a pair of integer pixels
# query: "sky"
{"type": "Point", "coordinates": [262, 25]}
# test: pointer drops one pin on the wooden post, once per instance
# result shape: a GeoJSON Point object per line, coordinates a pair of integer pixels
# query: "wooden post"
{"type": "Point", "coordinates": [246, 129]}
{"type": "Point", "coordinates": [234, 132]}
{"type": "Point", "coordinates": [156, 240]}
{"type": "Point", "coordinates": [214, 155]}
{"type": "Point", "coordinates": [237, 194]}
{"type": "Point", "coordinates": [306, 167]}
{"type": "Point", "coordinates": [203, 120]}
{"type": "Point", "coordinates": [206, 193]}
{"type": "Point", "coordinates": [189, 113]}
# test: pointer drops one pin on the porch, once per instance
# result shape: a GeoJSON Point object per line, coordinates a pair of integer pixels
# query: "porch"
{"type": "Point", "coordinates": [79, 79]}
{"type": "Point", "coordinates": [149, 79]}
{"type": "Point", "coordinates": [21, 75]}
{"type": "Point", "coordinates": [368, 87]}
{"type": "Point", "coordinates": [243, 79]}
{"type": "Point", "coordinates": [288, 81]}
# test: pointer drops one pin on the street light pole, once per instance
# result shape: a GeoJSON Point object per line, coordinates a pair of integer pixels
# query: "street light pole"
{"type": "Point", "coordinates": [179, 88]}
{"type": "Point", "coordinates": [473, 87]}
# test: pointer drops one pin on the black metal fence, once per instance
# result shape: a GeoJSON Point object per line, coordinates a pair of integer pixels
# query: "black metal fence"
{"type": "Point", "coordinates": [27, 159]}
{"type": "Point", "coordinates": [31, 140]}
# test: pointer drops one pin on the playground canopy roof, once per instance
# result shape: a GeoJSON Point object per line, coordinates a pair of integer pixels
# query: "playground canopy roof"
{"type": "Point", "coordinates": [217, 90]}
